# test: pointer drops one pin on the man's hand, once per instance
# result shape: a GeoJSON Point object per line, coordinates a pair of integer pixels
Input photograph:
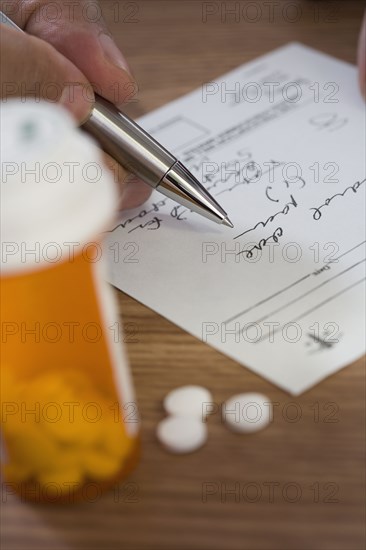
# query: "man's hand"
{"type": "Point", "coordinates": [362, 57]}
{"type": "Point", "coordinates": [64, 57]}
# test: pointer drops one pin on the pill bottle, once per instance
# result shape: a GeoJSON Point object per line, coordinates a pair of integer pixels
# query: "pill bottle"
{"type": "Point", "coordinates": [69, 426]}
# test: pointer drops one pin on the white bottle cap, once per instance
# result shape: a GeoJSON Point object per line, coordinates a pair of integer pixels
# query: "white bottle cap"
{"type": "Point", "coordinates": [55, 189]}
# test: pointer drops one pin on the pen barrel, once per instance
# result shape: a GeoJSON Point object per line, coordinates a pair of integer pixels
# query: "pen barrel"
{"type": "Point", "coordinates": [128, 143]}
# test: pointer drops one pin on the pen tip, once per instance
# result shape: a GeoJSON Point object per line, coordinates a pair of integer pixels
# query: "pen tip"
{"type": "Point", "coordinates": [227, 222]}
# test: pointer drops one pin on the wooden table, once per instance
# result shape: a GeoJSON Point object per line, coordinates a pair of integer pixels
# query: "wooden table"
{"type": "Point", "coordinates": [318, 460]}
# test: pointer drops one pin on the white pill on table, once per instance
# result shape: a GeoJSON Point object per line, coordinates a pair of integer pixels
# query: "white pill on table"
{"type": "Point", "coordinates": [182, 434]}
{"type": "Point", "coordinates": [189, 401]}
{"type": "Point", "coordinates": [247, 412]}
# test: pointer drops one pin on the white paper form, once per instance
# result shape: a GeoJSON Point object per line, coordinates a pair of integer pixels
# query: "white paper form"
{"type": "Point", "coordinates": [280, 143]}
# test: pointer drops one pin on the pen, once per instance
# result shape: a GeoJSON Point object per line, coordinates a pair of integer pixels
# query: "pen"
{"type": "Point", "coordinates": [141, 154]}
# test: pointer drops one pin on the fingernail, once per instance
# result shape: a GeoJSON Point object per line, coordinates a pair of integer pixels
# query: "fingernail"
{"type": "Point", "coordinates": [79, 99]}
{"type": "Point", "coordinates": [113, 53]}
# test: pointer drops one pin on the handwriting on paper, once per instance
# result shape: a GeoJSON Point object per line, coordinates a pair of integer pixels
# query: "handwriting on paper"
{"type": "Point", "coordinates": [283, 291]}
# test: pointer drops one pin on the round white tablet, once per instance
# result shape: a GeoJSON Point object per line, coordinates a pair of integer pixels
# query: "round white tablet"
{"type": "Point", "coordinates": [189, 401]}
{"type": "Point", "coordinates": [247, 412]}
{"type": "Point", "coordinates": [182, 434]}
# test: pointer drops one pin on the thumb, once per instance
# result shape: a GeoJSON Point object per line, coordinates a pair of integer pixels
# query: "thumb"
{"type": "Point", "coordinates": [31, 67]}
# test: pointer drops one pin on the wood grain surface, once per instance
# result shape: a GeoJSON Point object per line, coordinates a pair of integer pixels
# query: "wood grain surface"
{"type": "Point", "coordinates": [298, 484]}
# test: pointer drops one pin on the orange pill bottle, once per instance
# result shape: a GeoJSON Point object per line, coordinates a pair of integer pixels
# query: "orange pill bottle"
{"type": "Point", "coordinates": [69, 423]}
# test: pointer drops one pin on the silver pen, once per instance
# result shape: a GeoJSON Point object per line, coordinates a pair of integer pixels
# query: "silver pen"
{"type": "Point", "coordinates": [141, 154]}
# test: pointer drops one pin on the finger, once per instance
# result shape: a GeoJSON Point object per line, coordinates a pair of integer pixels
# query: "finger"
{"type": "Point", "coordinates": [80, 33]}
{"type": "Point", "coordinates": [32, 68]}
{"type": "Point", "coordinates": [362, 58]}
{"type": "Point", "coordinates": [133, 192]}
{"type": "Point", "coordinates": [136, 192]}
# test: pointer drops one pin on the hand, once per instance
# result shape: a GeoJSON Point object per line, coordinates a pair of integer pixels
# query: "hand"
{"type": "Point", "coordinates": [65, 57]}
{"type": "Point", "coordinates": [362, 57]}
